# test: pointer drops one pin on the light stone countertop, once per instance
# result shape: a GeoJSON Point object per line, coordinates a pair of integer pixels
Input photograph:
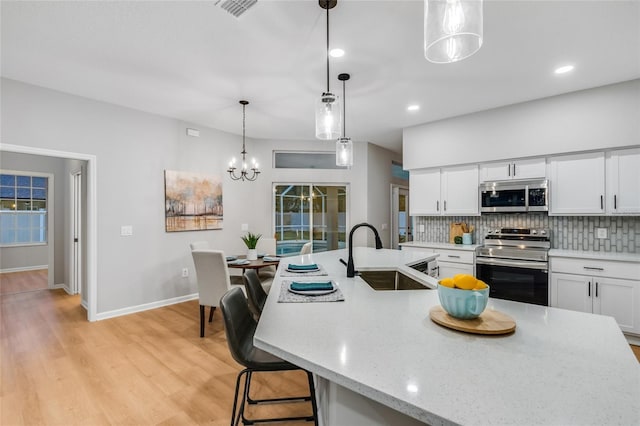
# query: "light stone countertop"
{"type": "Point", "coordinates": [447, 246]}
{"type": "Point", "coordinates": [596, 255]}
{"type": "Point", "coordinates": [558, 367]}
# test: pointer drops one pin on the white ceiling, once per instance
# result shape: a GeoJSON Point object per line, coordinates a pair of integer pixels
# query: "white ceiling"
{"type": "Point", "coordinates": [193, 61]}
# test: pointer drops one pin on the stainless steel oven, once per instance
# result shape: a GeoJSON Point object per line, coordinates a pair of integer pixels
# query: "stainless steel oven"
{"type": "Point", "coordinates": [514, 262]}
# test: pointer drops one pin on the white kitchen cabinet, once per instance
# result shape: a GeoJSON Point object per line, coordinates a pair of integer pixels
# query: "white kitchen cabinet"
{"type": "Point", "coordinates": [587, 289]}
{"type": "Point", "coordinates": [517, 169]}
{"type": "Point", "coordinates": [623, 182]}
{"type": "Point", "coordinates": [424, 192]}
{"type": "Point", "coordinates": [449, 191]}
{"type": "Point", "coordinates": [577, 184]}
{"type": "Point", "coordinates": [459, 191]}
{"type": "Point", "coordinates": [449, 269]}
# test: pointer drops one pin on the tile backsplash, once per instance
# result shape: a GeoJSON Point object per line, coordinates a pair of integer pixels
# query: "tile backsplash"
{"type": "Point", "coordinates": [567, 232]}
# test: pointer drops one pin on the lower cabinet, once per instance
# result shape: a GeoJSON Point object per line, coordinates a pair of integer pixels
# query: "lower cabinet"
{"type": "Point", "coordinates": [594, 293]}
{"type": "Point", "coordinates": [449, 269]}
{"type": "Point", "coordinates": [451, 261]}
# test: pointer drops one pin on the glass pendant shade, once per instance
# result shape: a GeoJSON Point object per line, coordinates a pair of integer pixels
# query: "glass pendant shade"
{"type": "Point", "coordinates": [344, 152]}
{"type": "Point", "coordinates": [452, 29]}
{"type": "Point", "coordinates": [328, 117]}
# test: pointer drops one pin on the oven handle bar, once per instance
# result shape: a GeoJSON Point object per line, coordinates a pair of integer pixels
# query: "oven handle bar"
{"type": "Point", "coordinates": [513, 263]}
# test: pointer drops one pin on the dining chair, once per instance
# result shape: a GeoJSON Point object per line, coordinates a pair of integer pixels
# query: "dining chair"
{"type": "Point", "coordinates": [213, 280]}
{"type": "Point", "coordinates": [240, 327]}
{"type": "Point", "coordinates": [199, 245]}
{"type": "Point", "coordinates": [256, 295]}
{"type": "Point", "coordinates": [267, 246]}
{"type": "Point", "coordinates": [306, 248]}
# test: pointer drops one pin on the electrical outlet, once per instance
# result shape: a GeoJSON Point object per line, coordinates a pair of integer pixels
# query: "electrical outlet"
{"type": "Point", "coordinates": [185, 272]}
{"type": "Point", "coordinates": [421, 227]}
{"type": "Point", "coordinates": [601, 233]}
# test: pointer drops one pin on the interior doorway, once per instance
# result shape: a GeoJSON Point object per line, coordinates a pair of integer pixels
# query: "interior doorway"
{"type": "Point", "coordinates": [401, 231]}
{"type": "Point", "coordinates": [87, 281]}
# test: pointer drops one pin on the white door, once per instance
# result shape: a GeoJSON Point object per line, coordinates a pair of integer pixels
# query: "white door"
{"type": "Point", "coordinates": [76, 227]}
{"type": "Point", "coordinates": [619, 299]}
{"type": "Point", "coordinates": [573, 292]}
{"type": "Point", "coordinates": [623, 180]}
{"type": "Point", "coordinates": [459, 189]}
{"type": "Point", "coordinates": [577, 184]}
{"type": "Point", "coordinates": [424, 189]}
{"type": "Point", "coordinates": [401, 231]}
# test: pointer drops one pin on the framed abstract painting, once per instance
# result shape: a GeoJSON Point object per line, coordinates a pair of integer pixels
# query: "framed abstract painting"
{"type": "Point", "coordinates": [193, 201]}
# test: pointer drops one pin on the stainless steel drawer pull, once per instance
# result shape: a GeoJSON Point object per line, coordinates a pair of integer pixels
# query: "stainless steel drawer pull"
{"type": "Point", "coordinates": [596, 289]}
{"type": "Point", "coordinates": [456, 257]}
{"type": "Point", "coordinates": [590, 268]}
{"type": "Point", "coordinates": [438, 206]}
{"type": "Point", "coordinates": [589, 288]}
{"type": "Point", "coordinates": [601, 202]}
{"type": "Point", "coordinates": [509, 169]}
{"type": "Point", "coordinates": [615, 202]}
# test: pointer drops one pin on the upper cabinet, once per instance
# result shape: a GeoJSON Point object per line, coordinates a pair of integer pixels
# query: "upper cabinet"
{"type": "Point", "coordinates": [451, 191]}
{"type": "Point", "coordinates": [517, 169]}
{"type": "Point", "coordinates": [623, 182]}
{"type": "Point", "coordinates": [577, 184]}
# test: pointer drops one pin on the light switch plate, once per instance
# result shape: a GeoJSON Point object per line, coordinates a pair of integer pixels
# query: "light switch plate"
{"type": "Point", "coordinates": [421, 227]}
{"type": "Point", "coordinates": [126, 231]}
{"type": "Point", "coordinates": [601, 233]}
{"type": "Point", "coordinates": [244, 227]}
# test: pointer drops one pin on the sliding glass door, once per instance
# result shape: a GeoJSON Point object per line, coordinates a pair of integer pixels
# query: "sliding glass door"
{"type": "Point", "coordinates": [309, 213]}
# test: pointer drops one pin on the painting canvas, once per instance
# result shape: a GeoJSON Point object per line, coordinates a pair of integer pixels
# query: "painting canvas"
{"type": "Point", "coordinates": [193, 201]}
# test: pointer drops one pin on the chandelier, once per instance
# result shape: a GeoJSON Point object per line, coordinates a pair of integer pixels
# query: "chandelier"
{"type": "Point", "coordinates": [245, 174]}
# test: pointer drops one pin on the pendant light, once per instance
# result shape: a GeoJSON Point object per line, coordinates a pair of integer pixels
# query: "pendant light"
{"type": "Point", "coordinates": [244, 173]}
{"type": "Point", "coordinates": [452, 29]}
{"type": "Point", "coordinates": [344, 146]}
{"type": "Point", "coordinates": [328, 106]}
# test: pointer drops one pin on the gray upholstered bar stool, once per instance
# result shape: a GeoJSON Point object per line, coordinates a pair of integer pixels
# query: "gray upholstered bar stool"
{"type": "Point", "coordinates": [255, 292]}
{"type": "Point", "coordinates": [240, 327]}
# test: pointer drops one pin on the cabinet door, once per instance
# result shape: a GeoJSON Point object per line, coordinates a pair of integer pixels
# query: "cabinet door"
{"type": "Point", "coordinates": [495, 171]}
{"type": "Point", "coordinates": [424, 192]}
{"type": "Point", "coordinates": [577, 184]}
{"type": "Point", "coordinates": [459, 191]}
{"type": "Point", "coordinates": [623, 182]}
{"type": "Point", "coordinates": [448, 269]}
{"type": "Point", "coordinates": [619, 299]}
{"type": "Point", "coordinates": [571, 292]}
{"type": "Point", "coordinates": [529, 169]}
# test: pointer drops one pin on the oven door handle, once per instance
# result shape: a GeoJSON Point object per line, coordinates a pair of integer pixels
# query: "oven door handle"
{"type": "Point", "coordinates": [512, 263]}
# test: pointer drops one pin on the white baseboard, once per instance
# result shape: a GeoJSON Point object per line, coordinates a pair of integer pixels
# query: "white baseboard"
{"type": "Point", "coordinates": [145, 307]}
{"type": "Point", "coordinates": [633, 339]}
{"type": "Point", "coordinates": [24, 268]}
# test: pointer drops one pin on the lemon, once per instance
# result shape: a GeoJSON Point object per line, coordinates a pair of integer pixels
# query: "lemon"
{"type": "Point", "coordinates": [465, 281]}
{"type": "Point", "coordinates": [480, 285]}
{"type": "Point", "coordinates": [447, 282]}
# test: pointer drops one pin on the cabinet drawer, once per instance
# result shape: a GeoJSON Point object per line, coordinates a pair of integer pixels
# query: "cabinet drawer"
{"type": "Point", "coordinates": [596, 268]}
{"type": "Point", "coordinates": [455, 256]}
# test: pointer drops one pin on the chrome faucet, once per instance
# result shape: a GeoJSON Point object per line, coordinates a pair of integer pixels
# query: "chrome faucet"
{"type": "Point", "coordinates": [350, 268]}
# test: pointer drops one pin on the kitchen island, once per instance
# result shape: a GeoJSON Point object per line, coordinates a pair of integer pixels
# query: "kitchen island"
{"type": "Point", "coordinates": [379, 359]}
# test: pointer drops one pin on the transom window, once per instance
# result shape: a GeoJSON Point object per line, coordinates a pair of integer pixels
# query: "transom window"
{"type": "Point", "coordinates": [23, 209]}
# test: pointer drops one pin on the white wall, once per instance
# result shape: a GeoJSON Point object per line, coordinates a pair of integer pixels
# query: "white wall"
{"type": "Point", "coordinates": [604, 117]}
{"type": "Point", "coordinates": [133, 149]}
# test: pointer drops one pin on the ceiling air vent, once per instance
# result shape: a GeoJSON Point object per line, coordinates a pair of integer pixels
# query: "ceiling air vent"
{"type": "Point", "coordinates": [235, 7]}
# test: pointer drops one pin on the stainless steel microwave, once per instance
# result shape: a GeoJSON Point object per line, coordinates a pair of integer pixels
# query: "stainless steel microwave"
{"type": "Point", "coordinates": [514, 196]}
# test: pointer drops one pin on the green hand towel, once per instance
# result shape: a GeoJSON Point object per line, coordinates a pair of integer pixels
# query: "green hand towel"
{"type": "Point", "coordinates": [311, 286]}
{"type": "Point", "coordinates": [309, 267]}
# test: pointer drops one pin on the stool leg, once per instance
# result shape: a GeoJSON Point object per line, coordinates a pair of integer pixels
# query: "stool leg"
{"type": "Point", "coordinates": [213, 308]}
{"type": "Point", "coordinates": [312, 391]}
{"type": "Point", "coordinates": [235, 420]}
{"type": "Point", "coordinates": [201, 320]}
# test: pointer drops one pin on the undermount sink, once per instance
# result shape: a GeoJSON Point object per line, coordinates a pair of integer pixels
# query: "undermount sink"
{"type": "Point", "coordinates": [390, 280]}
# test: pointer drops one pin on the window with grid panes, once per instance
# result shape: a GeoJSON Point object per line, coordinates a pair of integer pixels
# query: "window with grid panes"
{"type": "Point", "coordinates": [23, 209]}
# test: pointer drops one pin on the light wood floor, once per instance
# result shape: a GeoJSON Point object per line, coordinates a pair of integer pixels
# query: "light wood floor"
{"type": "Point", "coordinates": [19, 282]}
{"type": "Point", "coordinates": [141, 369]}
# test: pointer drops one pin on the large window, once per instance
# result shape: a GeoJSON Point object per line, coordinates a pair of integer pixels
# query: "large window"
{"type": "Point", "coordinates": [23, 209]}
{"type": "Point", "coordinates": [308, 212]}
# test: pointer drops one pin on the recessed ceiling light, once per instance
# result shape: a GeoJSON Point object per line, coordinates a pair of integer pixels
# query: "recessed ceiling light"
{"type": "Point", "coordinates": [336, 53]}
{"type": "Point", "coordinates": [413, 107]}
{"type": "Point", "coordinates": [564, 69]}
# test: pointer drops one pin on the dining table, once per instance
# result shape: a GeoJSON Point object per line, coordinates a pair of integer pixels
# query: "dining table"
{"type": "Point", "coordinates": [253, 264]}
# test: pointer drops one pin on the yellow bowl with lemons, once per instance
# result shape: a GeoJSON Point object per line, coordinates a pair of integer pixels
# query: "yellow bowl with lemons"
{"type": "Point", "coordinates": [463, 296]}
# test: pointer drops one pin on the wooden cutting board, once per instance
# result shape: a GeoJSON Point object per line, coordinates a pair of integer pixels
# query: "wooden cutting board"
{"type": "Point", "coordinates": [456, 230]}
{"type": "Point", "coordinates": [489, 322]}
